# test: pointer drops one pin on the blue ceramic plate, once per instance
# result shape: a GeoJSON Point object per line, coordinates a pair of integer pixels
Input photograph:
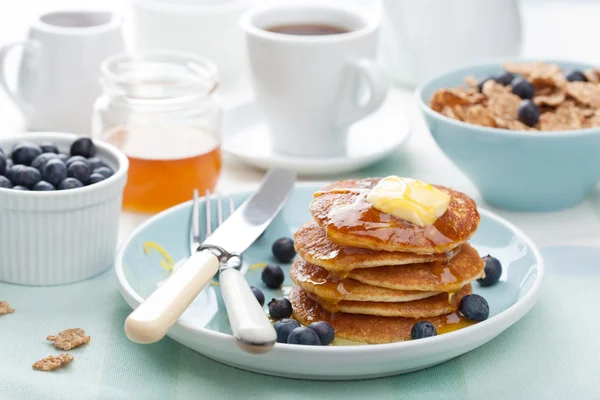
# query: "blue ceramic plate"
{"type": "Point", "coordinates": [204, 327]}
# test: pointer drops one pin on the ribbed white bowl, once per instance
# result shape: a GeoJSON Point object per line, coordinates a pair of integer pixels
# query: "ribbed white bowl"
{"type": "Point", "coordinates": [58, 237]}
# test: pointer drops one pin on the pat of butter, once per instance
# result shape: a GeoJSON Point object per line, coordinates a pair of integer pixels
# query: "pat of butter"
{"type": "Point", "coordinates": [409, 199]}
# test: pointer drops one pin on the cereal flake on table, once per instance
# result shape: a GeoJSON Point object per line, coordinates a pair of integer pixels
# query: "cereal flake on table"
{"type": "Point", "coordinates": [5, 308]}
{"type": "Point", "coordinates": [560, 101]}
{"type": "Point", "coordinates": [52, 362]}
{"type": "Point", "coordinates": [69, 339]}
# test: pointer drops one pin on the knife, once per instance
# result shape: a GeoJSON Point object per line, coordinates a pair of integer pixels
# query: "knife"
{"type": "Point", "coordinates": [253, 331]}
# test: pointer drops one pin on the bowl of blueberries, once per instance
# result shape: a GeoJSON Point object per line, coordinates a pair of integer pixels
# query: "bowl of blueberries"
{"type": "Point", "coordinates": [60, 202]}
{"type": "Point", "coordinates": [526, 132]}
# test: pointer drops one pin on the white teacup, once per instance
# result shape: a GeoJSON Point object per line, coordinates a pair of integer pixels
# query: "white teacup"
{"type": "Point", "coordinates": [313, 87]}
{"type": "Point", "coordinates": [58, 74]}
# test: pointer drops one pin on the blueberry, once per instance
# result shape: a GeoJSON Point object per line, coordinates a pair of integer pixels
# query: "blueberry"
{"type": "Point", "coordinates": [104, 171]}
{"type": "Point", "coordinates": [54, 172]}
{"type": "Point", "coordinates": [3, 163]}
{"type": "Point", "coordinates": [63, 157]}
{"type": "Point", "coordinates": [324, 330]}
{"type": "Point", "coordinates": [43, 186]}
{"type": "Point", "coordinates": [481, 82]}
{"type": "Point", "coordinates": [41, 160]}
{"type": "Point", "coordinates": [280, 308]}
{"type": "Point", "coordinates": [95, 178]}
{"type": "Point", "coordinates": [272, 276]}
{"type": "Point", "coordinates": [95, 162]}
{"type": "Point", "coordinates": [24, 153]}
{"type": "Point", "coordinates": [70, 183]}
{"type": "Point", "coordinates": [493, 270]}
{"type": "Point", "coordinates": [49, 147]}
{"type": "Point", "coordinates": [10, 173]}
{"type": "Point", "coordinates": [260, 296]}
{"type": "Point", "coordinates": [283, 249]}
{"type": "Point", "coordinates": [505, 79]}
{"type": "Point", "coordinates": [27, 176]}
{"type": "Point", "coordinates": [528, 113]}
{"type": "Point", "coordinates": [9, 164]}
{"type": "Point", "coordinates": [5, 182]}
{"type": "Point", "coordinates": [75, 158]}
{"type": "Point", "coordinates": [522, 88]}
{"type": "Point", "coordinates": [576, 76]}
{"type": "Point", "coordinates": [422, 329]}
{"type": "Point", "coordinates": [19, 187]}
{"type": "Point", "coordinates": [305, 336]}
{"type": "Point", "coordinates": [83, 147]}
{"type": "Point", "coordinates": [283, 327]}
{"type": "Point", "coordinates": [79, 170]}
{"type": "Point", "coordinates": [474, 307]}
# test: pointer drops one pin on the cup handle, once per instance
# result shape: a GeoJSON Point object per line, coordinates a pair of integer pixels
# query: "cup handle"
{"type": "Point", "coordinates": [4, 52]}
{"type": "Point", "coordinates": [350, 108]}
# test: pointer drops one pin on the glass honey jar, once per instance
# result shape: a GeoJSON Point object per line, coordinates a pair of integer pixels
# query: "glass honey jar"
{"type": "Point", "coordinates": [160, 108]}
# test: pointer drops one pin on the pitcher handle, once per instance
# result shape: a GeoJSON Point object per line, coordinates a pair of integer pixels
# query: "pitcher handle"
{"type": "Point", "coordinates": [350, 108]}
{"type": "Point", "coordinates": [4, 52]}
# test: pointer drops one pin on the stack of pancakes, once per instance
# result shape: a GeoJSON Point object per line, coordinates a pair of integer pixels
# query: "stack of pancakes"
{"type": "Point", "coordinates": [372, 275]}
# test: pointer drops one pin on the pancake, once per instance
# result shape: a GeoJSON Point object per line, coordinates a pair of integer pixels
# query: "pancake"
{"type": "Point", "coordinates": [443, 303]}
{"type": "Point", "coordinates": [437, 276]}
{"type": "Point", "coordinates": [317, 280]}
{"type": "Point", "coordinates": [366, 328]}
{"type": "Point", "coordinates": [342, 210]}
{"type": "Point", "coordinates": [312, 244]}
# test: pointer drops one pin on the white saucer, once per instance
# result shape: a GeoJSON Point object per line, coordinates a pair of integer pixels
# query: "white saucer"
{"type": "Point", "coordinates": [371, 139]}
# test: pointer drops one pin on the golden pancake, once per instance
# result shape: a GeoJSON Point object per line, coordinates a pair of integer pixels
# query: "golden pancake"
{"type": "Point", "coordinates": [317, 280]}
{"type": "Point", "coordinates": [312, 244]}
{"type": "Point", "coordinates": [342, 210]}
{"type": "Point", "coordinates": [437, 276]}
{"type": "Point", "coordinates": [443, 303]}
{"type": "Point", "coordinates": [367, 328]}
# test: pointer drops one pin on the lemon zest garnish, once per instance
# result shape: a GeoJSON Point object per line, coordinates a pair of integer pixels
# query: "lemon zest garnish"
{"type": "Point", "coordinates": [257, 266]}
{"type": "Point", "coordinates": [167, 263]}
{"type": "Point", "coordinates": [214, 283]}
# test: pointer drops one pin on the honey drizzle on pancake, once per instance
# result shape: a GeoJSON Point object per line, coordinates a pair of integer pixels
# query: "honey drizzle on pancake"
{"type": "Point", "coordinates": [360, 218]}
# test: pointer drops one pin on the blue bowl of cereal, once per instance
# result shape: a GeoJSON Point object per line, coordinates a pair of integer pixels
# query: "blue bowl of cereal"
{"type": "Point", "coordinates": [527, 133]}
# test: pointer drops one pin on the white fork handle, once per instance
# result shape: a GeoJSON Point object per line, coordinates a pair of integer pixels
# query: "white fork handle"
{"type": "Point", "coordinates": [249, 323]}
{"type": "Point", "coordinates": [151, 320]}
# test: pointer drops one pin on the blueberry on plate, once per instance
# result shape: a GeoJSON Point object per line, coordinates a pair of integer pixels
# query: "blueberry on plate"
{"type": "Point", "coordinates": [95, 162]}
{"type": "Point", "coordinates": [70, 183]}
{"type": "Point", "coordinates": [422, 329]}
{"type": "Point", "coordinates": [324, 330]}
{"type": "Point", "coordinates": [49, 147]}
{"type": "Point", "coordinates": [41, 160]}
{"type": "Point", "coordinates": [576, 76]}
{"type": "Point", "coordinates": [528, 113]}
{"type": "Point", "coordinates": [505, 79]}
{"type": "Point", "coordinates": [3, 163]}
{"type": "Point", "coordinates": [24, 153]}
{"type": "Point", "coordinates": [19, 187]}
{"type": "Point", "coordinates": [280, 308]}
{"type": "Point", "coordinates": [283, 249]}
{"type": "Point", "coordinates": [522, 88]}
{"type": "Point", "coordinates": [84, 147]}
{"type": "Point", "coordinates": [5, 182]}
{"type": "Point", "coordinates": [305, 336]}
{"type": "Point", "coordinates": [43, 186]}
{"type": "Point", "coordinates": [260, 296]}
{"type": "Point", "coordinates": [79, 170]}
{"type": "Point", "coordinates": [95, 178]}
{"type": "Point", "coordinates": [12, 170]}
{"type": "Point", "coordinates": [75, 158]}
{"type": "Point", "coordinates": [283, 327]}
{"type": "Point", "coordinates": [481, 82]}
{"type": "Point", "coordinates": [493, 270]}
{"type": "Point", "coordinates": [104, 171]}
{"type": "Point", "coordinates": [27, 176]}
{"type": "Point", "coordinates": [54, 172]}
{"type": "Point", "coordinates": [474, 307]}
{"type": "Point", "coordinates": [272, 276]}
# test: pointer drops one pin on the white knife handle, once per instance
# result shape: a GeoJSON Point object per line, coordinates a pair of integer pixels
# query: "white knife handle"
{"type": "Point", "coordinates": [251, 327]}
{"type": "Point", "coordinates": [151, 320]}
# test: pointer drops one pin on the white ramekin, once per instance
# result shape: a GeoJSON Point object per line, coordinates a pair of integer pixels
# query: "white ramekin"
{"type": "Point", "coordinates": [59, 237]}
